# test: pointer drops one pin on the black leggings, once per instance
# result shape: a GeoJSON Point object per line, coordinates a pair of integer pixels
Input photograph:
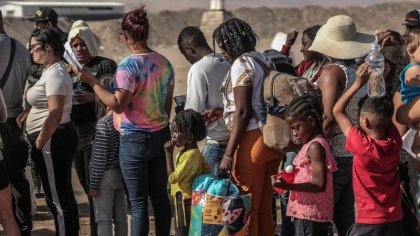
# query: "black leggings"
{"type": "Point", "coordinates": [54, 163]}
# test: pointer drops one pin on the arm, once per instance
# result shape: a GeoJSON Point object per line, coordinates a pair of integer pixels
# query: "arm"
{"type": "Point", "coordinates": [409, 113]}
{"type": "Point", "coordinates": [168, 104]}
{"type": "Point", "coordinates": [340, 107]}
{"type": "Point", "coordinates": [55, 113]}
{"type": "Point", "coordinates": [397, 104]}
{"type": "Point", "coordinates": [331, 83]}
{"type": "Point", "coordinates": [412, 76]}
{"type": "Point", "coordinates": [169, 153]}
{"type": "Point", "coordinates": [3, 109]}
{"type": "Point", "coordinates": [98, 157]}
{"type": "Point", "coordinates": [117, 101]}
{"type": "Point", "coordinates": [316, 153]}
{"type": "Point", "coordinates": [242, 96]}
{"type": "Point", "coordinates": [197, 91]}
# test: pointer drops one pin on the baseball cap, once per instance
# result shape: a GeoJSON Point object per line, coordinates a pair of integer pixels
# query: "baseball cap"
{"type": "Point", "coordinates": [412, 18]}
{"type": "Point", "coordinates": [43, 14]}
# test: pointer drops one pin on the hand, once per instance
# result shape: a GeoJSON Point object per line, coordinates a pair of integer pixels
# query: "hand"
{"type": "Point", "coordinates": [39, 144]}
{"type": "Point", "coordinates": [20, 120]}
{"type": "Point", "coordinates": [225, 166]}
{"type": "Point", "coordinates": [279, 183]}
{"type": "Point", "coordinates": [169, 147]}
{"type": "Point", "coordinates": [362, 74]}
{"type": "Point", "coordinates": [82, 97]}
{"type": "Point", "coordinates": [93, 193]}
{"type": "Point", "coordinates": [291, 38]}
{"type": "Point", "coordinates": [86, 76]}
{"type": "Point", "coordinates": [212, 115]}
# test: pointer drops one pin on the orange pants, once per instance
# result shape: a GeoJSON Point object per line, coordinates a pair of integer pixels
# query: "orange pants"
{"type": "Point", "coordinates": [254, 164]}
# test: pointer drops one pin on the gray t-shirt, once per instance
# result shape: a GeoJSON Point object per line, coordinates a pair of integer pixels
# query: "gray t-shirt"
{"type": "Point", "coordinates": [55, 80]}
{"type": "Point", "coordinates": [3, 117]}
{"type": "Point", "coordinates": [14, 87]}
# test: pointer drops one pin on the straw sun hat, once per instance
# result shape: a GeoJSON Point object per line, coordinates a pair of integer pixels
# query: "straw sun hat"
{"type": "Point", "coordinates": [339, 39]}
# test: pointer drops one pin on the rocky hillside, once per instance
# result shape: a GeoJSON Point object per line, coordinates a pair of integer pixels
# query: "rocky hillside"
{"type": "Point", "coordinates": [166, 25]}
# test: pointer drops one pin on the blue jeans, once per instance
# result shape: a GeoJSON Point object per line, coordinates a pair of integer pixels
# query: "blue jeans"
{"type": "Point", "coordinates": [213, 153]}
{"type": "Point", "coordinates": [143, 166]}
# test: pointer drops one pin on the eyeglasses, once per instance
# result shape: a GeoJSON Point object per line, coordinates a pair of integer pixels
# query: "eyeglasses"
{"type": "Point", "coordinates": [32, 46]}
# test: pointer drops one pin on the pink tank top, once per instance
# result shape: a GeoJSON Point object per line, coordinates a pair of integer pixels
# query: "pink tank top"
{"type": "Point", "coordinates": [312, 206]}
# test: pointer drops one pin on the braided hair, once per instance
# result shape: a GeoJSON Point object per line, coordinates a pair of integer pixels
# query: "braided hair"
{"type": "Point", "coordinates": [304, 106]}
{"type": "Point", "coordinates": [191, 125]}
{"type": "Point", "coordinates": [235, 37]}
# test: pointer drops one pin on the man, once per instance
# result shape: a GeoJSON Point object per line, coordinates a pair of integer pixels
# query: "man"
{"type": "Point", "coordinates": [14, 69]}
{"type": "Point", "coordinates": [47, 18]}
{"type": "Point", "coordinates": [203, 89]}
{"type": "Point", "coordinates": [83, 41]}
{"type": "Point", "coordinates": [412, 20]}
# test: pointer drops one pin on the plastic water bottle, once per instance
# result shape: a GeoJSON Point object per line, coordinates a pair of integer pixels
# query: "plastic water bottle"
{"type": "Point", "coordinates": [376, 83]}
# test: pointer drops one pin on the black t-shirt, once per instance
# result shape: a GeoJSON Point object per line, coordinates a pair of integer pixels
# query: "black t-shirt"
{"type": "Point", "coordinates": [85, 113]}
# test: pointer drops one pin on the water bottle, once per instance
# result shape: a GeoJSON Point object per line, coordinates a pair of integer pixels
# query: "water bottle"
{"type": "Point", "coordinates": [376, 83]}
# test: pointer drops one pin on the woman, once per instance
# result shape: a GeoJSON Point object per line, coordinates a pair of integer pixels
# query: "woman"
{"type": "Point", "coordinates": [251, 161]}
{"type": "Point", "coordinates": [7, 219]}
{"type": "Point", "coordinates": [51, 133]}
{"type": "Point", "coordinates": [313, 62]}
{"type": "Point", "coordinates": [142, 100]}
{"type": "Point", "coordinates": [338, 40]}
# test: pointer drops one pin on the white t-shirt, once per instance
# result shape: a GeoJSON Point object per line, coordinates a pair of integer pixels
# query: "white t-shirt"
{"type": "Point", "coordinates": [55, 80]}
{"type": "Point", "coordinates": [245, 72]}
{"type": "Point", "coordinates": [203, 90]}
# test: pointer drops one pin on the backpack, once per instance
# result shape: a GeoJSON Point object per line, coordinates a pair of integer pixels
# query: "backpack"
{"type": "Point", "coordinates": [279, 89]}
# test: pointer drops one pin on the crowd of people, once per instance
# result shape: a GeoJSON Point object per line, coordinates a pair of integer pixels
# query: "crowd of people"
{"type": "Point", "coordinates": [112, 124]}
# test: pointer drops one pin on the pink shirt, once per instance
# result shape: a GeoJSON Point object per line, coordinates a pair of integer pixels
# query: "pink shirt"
{"type": "Point", "coordinates": [312, 206]}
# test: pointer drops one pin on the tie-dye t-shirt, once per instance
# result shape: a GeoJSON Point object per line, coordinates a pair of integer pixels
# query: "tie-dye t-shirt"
{"type": "Point", "coordinates": [149, 77]}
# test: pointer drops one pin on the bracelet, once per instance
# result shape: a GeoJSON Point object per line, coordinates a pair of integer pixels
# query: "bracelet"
{"type": "Point", "coordinates": [228, 158]}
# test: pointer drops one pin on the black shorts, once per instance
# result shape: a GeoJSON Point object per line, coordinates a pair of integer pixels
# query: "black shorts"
{"type": "Point", "coordinates": [387, 229]}
{"type": "Point", "coordinates": [4, 177]}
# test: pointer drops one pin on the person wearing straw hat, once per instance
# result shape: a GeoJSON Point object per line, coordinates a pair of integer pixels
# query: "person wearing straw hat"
{"type": "Point", "coordinates": [83, 41]}
{"type": "Point", "coordinates": [339, 41]}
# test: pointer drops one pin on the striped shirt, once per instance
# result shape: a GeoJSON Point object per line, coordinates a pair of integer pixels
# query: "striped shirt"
{"type": "Point", "coordinates": [104, 151]}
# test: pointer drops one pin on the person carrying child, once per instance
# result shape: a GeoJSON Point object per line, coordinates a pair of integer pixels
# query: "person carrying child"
{"type": "Point", "coordinates": [410, 76]}
{"type": "Point", "coordinates": [311, 195]}
{"type": "Point", "coordinates": [105, 182]}
{"type": "Point", "coordinates": [187, 129]}
{"type": "Point", "coordinates": [376, 146]}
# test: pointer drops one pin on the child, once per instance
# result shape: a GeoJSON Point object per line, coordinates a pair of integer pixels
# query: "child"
{"type": "Point", "coordinates": [187, 129]}
{"type": "Point", "coordinates": [105, 183]}
{"type": "Point", "coordinates": [410, 76]}
{"type": "Point", "coordinates": [376, 146]}
{"type": "Point", "coordinates": [311, 196]}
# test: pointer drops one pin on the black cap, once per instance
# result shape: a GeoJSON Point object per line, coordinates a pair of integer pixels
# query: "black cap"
{"type": "Point", "coordinates": [43, 14]}
{"type": "Point", "coordinates": [412, 18]}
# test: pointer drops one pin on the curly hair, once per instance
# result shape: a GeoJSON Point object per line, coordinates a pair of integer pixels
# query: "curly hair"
{"type": "Point", "coordinates": [235, 37]}
{"type": "Point", "coordinates": [136, 24]}
{"type": "Point", "coordinates": [191, 124]}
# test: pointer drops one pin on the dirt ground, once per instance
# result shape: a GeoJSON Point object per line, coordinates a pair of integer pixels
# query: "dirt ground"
{"type": "Point", "coordinates": [164, 30]}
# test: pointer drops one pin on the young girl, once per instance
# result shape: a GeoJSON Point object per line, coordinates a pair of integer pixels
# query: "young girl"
{"type": "Point", "coordinates": [311, 195]}
{"type": "Point", "coordinates": [187, 129]}
{"type": "Point", "coordinates": [105, 182]}
{"type": "Point", "coordinates": [410, 76]}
